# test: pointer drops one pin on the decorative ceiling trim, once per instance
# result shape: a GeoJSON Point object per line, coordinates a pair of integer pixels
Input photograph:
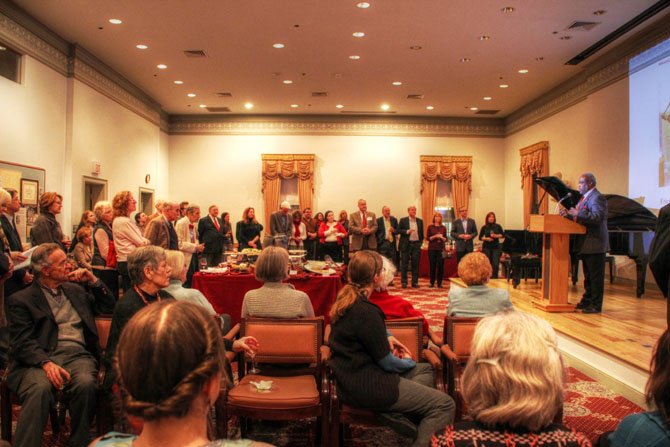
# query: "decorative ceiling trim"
{"type": "Point", "coordinates": [334, 125]}
{"type": "Point", "coordinates": [607, 69]}
{"type": "Point", "coordinates": [91, 71]}
{"type": "Point", "coordinates": [24, 41]}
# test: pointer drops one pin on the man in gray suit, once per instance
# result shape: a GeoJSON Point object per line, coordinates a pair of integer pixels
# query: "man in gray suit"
{"type": "Point", "coordinates": [591, 211]}
{"type": "Point", "coordinates": [464, 231]}
{"type": "Point", "coordinates": [281, 224]}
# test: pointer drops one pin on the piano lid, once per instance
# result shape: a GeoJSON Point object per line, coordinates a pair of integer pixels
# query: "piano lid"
{"type": "Point", "coordinates": [558, 190]}
{"type": "Point", "coordinates": [626, 214]}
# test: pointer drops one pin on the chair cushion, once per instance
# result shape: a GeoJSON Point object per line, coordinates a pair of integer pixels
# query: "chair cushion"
{"type": "Point", "coordinates": [287, 393]}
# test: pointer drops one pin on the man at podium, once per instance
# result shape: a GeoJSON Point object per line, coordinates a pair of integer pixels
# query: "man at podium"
{"type": "Point", "coordinates": [591, 211]}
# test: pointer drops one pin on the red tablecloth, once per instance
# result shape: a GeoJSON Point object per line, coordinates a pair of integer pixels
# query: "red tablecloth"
{"type": "Point", "coordinates": [450, 266]}
{"type": "Point", "coordinates": [226, 292]}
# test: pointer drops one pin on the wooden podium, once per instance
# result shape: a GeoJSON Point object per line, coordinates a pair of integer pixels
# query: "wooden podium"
{"type": "Point", "coordinates": [556, 231]}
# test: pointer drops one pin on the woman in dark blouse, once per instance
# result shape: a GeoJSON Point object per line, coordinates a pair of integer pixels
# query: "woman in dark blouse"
{"type": "Point", "coordinates": [344, 221]}
{"type": "Point", "coordinates": [249, 230]}
{"type": "Point", "coordinates": [436, 233]}
{"type": "Point", "coordinates": [368, 374]}
{"type": "Point", "coordinates": [490, 234]}
{"type": "Point", "coordinates": [227, 230]}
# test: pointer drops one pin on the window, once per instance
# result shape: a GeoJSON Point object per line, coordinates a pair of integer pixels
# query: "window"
{"type": "Point", "coordinates": [444, 204]}
{"type": "Point", "coordinates": [10, 63]}
{"type": "Point", "coordinates": [289, 192]}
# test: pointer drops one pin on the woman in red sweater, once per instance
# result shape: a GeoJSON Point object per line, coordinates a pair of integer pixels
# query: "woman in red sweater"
{"type": "Point", "coordinates": [331, 234]}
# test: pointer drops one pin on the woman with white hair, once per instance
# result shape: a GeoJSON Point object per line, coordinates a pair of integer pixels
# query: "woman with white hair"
{"type": "Point", "coordinates": [513, 386]}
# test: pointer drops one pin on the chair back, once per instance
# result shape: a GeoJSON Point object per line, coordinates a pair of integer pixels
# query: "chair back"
{"type": "Point", "coordinates": [458, 333]}
{"type": "Point", "coordinates": [286, 341]}
{"type": "Point", "coordinates": [103, 324]}
{"type": "Point", "coordinates": [409, 331]}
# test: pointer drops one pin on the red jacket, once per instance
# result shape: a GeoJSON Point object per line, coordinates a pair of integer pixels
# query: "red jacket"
{"type": "Point", "coordinates": [395, 307]}
{"type": "Point", "coordinates": [324, 227]}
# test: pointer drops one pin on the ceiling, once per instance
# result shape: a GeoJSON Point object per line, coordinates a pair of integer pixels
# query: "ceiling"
{"type": "Point", "coordinates": [238, 36]}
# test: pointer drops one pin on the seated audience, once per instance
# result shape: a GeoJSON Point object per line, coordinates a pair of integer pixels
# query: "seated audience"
{"type": "Point", "coordinates": [127, 237]}
{"type": "Point", "coordinates": [395, 306]}
{"type": "Point", "coordinates": [104, 261]}
{"type": "Point", "coordinates": [88, 219]}
{"type": "Point", "coordinates": [477, 299]}
{"type": "Point", "coordinates": [83, 251]}
{"type": "Point", "coordinates": [650, 429]}
{"type": "Point", "coordinates": [275, 299]}
{"type": "Point", "coordinates": [46, 228]}
{"type": "Point", "coordinates": [54, 345]}
{"type": "Point", "coordinates": [367, 372]}
{"type": "Point", "coordinates": [513, 386]}
{"type": "Point", "coordinates": [149, 273]}
{"type": "Point", "coordinates": [178, 268]}
{"type": "Point", "coordinates": [170, 365]}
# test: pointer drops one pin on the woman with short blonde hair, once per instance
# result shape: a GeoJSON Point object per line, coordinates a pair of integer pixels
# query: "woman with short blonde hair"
{"type": "Point", "coordinates": [275, 299]}
{"type": "Point", "coordinates": [513, 386]}
{"type": "Point", "coordinates": [176, 260]}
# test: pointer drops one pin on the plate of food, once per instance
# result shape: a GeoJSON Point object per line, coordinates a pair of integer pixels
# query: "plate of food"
{"type": "Point", "coordinates": [319, 267]}
{"type": "Point", "coordinates": [251, 251]}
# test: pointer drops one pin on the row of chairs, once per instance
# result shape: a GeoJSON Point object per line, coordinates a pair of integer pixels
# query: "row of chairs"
{"type": "Point", "coordinates": [293, 354]}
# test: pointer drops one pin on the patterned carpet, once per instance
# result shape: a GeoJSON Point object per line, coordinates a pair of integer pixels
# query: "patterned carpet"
{"type": "Point", "coordinates": [590, 407]}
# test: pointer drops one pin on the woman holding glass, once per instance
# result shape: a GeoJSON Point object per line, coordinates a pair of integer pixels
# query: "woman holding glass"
{"type": "Point", "coordinates": [436, 233]}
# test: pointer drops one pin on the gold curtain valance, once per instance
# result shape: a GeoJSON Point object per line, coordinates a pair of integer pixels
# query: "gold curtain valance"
{"type": "Point", "coordinates": [534, 160]}
{"type": "Point", "coordinates": [446, 168]}
{"type": "Point", "coordinates": [288, 166]}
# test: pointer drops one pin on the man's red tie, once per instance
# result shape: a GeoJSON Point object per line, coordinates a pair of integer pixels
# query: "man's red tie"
{"type": "Point", "coordinates": [365, 221]}
{"type": "Point", "coordinates": [216, 224]}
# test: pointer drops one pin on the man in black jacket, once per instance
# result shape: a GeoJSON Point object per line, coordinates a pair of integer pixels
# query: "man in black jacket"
{"type": "Point", "coordinates": [211, 234]}
{"type": "Point", "coordinates": [54, 345]}
{"type": "Point", "coordinates": [387, 226]}
{"type": "Point", "coordinates": [410, 229]}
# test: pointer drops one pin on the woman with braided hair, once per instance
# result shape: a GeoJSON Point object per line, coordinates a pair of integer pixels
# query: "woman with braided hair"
{"type": "Point", "coordinates": [170, 363]}
{"type": "Point", "coordinates": [372, 369]}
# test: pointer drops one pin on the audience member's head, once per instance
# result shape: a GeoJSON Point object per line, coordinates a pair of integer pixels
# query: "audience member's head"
{"type": "Point", "coordinates": [169, 361]}
{"type": "Point", "coordinates": [5, 198]}
{"type": "Point", "coordinates": [182, 208]}
{"type": "Point", "coordinates": [175, 260]}
{"type": "Point", "coordinates": [88, 219]}
{"type": "Point", "coordinates": [490, 217]}
{"type": "Point", "coordinates": [213, 210]}
{"type": "Point", "coordinates": [84, 235]}
{"type": "Point", "coordinates": [15, 204]}
{"type": "Point", "coordinates": [225, 217]}
{"type": "Point", "coordinates": [147, 266]}
{"type": "Point", "coordinates": [40, 258]}
{"type": "Point", "coordinates": [140, 219]}
{"type": "Point", "coordinates": [364, 269]}
{"type": "Point", "coordinates": [193, 213]}
{"type": "Point", "coordinates": [124, 203]}
{"type": "Point", "coordinates": [171, 211]}
{"type": "Point", "coordinates": [297, 216]}
{"type": "Point", "coordinates": [272, 265]}
{"type": "Point", "coordinates": [386, 275]}
{"type": "Point", "coordinates": [344, 216]}
{"type": "Point", "coordinates": [249, 215]}
{"type": "Point", "coordinates": [51, 202]}
{"type": "Point", "coordinates": [658, 386]}
{"type": "Point", "coordinates": [103, 212]}
{"type": "Point", "coordinates": [437, 219]}
{"type": "Point", "coordinates": [475, 269]}
{"type": "Point", "coordinates": [515, 375]}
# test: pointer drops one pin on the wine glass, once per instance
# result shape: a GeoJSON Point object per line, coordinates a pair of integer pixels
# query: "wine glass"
{"type": "Point", "coordinates": [254, 367]}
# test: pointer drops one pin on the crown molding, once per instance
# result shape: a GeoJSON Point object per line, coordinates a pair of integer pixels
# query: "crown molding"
{"type": "Point", "coordinates": [334, 125]}
{"type": "Point", "coordinates": [603, 71]}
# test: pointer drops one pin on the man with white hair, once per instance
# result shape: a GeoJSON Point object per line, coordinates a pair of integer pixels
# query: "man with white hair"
{"type": "Point", "coordinates": [160, 231]}
{"type": "Point", "coordinates": [281, 225]}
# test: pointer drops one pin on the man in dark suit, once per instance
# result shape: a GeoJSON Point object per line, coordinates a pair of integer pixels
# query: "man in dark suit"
{"type": "Point", "coordinates": [591, 211]}
{"type": "Point", "coordinates": [211, 234]}
{"type": "Point", "coordinates": [387, 226]}
{"type": "Point", "coordinates": [20, 278]}
{"type": "Point", "coordinates": [659, 254]}
{"type": "Point", "coordinates": [160, 231]}
{"type": "Point", "coordinates": [410, 229]}
{"type": "Point", "coordinates": [464, 231]}
{"type": "Point", "coordinates": [281, 225]}
{"type": "Point", "coordinates": [54, 345]}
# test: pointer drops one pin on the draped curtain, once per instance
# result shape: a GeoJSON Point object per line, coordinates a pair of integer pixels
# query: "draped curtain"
{"type": "Point", "coordinates": [279, 166]}
{"type": "Point", "coordinates": [534, 163]}
{"type": "Point", "coordinates": [458, 169]}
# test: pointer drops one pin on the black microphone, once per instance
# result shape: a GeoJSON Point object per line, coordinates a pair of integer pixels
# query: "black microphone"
{"type": "Point", "coordinates": [560, 201]}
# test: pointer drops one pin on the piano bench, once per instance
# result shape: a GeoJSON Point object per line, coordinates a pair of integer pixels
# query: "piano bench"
{"type": "Point", "coordinates": [609, 259]}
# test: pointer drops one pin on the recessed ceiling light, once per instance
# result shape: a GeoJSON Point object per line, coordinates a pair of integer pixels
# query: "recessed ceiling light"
{"type": "Point", "coordinates": [3, 48]}
{"type": "Point", "coordinates": [287, 81]}
{"type": "Point", "coordinates": [115, 21]}
{"type": "Point", "coordinates": [354, 57]}
{"type": "Point", "coordinates": [429, 107]}
{"type": "Point", "coordinates": [397, 83]}
{"type": "Point", "coordinates": [523, 71]}
{"type": "Point", "coordinates": [539, 58]}
{"type": "Point", "coordinates": [565, 37]}
{"type": "Point", "coordinates": [416, 47]}
{"type": "Point", "coordinates": [359, 34]}
{"type": "Point", "coordinates": [363, 5]}
{"type": "Point", "coordinates": [599, 12]}
{"type": "Point", "coordinates": [465, 59]}
{"type": "Point", "coordinates": [508, 9]}
{"type": "Point", "coordinates": [294, 106]}
{"type": "Point", "coordinates": [248, 106]}
{"type": "Point", "coordinates": [474, 109]}
{"type": "Point", "coordinates": [179, 82]}
{"type": "Point", "coordinates": [278, 45]}
{"type": "Point", "coordinates": [385, 106]}
{"type": "Point", "coordinates": [503, 85]}
{"type": "Point", "coordinates": [202, 106]}
{"type": "Point", "coordinates": [487, 98]}
{"type": "Point", "coordinates": [141, 46]}
{"type": "Point", "coordinates": [339, 106]}
{"type": "Point", "coordinates": [161, 66]}
{"type": "Point", "coordinates": [191, 95]}
{"type": "Point", "coordinates": [484, 37]}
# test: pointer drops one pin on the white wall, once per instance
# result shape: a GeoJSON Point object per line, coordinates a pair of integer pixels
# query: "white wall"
{"type": "Point", "coordinates": [226, 170]}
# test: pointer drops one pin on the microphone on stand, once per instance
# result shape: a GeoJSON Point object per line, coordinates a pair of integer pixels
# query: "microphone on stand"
{"type": "Point", "coordinates": [560, 201]}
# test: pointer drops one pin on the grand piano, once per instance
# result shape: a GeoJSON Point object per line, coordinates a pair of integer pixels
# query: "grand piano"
{"type": "Point", "coordinates": [630, 225]}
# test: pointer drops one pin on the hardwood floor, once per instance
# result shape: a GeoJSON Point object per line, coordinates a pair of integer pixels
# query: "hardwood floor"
{"type": "Point", "coordinates": [627, 328]}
